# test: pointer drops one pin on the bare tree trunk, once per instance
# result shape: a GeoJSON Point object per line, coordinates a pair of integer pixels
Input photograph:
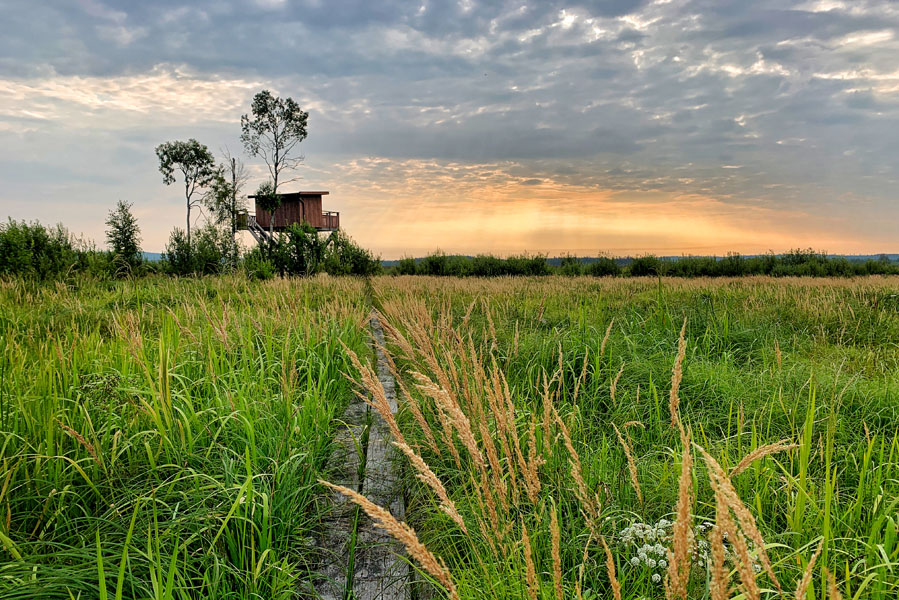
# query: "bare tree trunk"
{"type": "Point", "coordinates": [234, 212]}
{"type": "Point", "coordinates": [187, 196]}
{"type": "Point", "coordinates": [271, 222]}
{"type": "Point", "coordinates": [233, 197]}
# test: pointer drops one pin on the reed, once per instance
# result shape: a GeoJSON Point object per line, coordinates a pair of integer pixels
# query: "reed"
{"type": "Point", "coordinates": [403, 534]}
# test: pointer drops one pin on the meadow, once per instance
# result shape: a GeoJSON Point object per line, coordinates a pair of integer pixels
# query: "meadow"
{"type": "Point", "coordinates": [650, 438]}
{"type": "Point", "coordinates": [560, 437]}
{"type": "Point", "coordinates": [162, 438]}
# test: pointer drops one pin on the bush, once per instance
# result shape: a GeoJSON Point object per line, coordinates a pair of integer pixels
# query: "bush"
{"type": "Point", "coordinates": [406, 266]}
{"type": "Point", "coordinates": [123, 237]}
{"type": "Point", "coordinates": [434, 264]}
{"type": "Point", "coordinates": [570, 266]}
{"type": "Point", "coordinates": [36, 252]}
{"type": "Point", "coordinates": [177, 254]}
{"type": "Point", "coordinates": [645, 265]}
{"type": "Point", "coordinates": [257, 266]}
{"type": "Point", "coordinates": [208, 253]}
{"type": "Point", "coordinates": [299, 251]}
{"type": "Point", "coordinates": [345, 257]}
{"type": "Point", "coordinates": [604, 267]}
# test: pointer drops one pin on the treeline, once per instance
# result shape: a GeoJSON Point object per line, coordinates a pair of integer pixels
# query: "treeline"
{"type": "Point", "coordinates": [37, 252]}
{"type": "Point", "coordinates": [796, 263]}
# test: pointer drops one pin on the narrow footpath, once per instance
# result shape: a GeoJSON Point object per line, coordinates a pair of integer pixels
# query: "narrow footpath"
{"type": "Point", "coordinates": [359, 561]}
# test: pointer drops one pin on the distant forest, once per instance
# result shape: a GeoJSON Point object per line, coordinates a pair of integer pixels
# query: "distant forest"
{"type": "Point", "coordinates": [34, 252]}
{"type": "Point", "coordinates": [802, 263]}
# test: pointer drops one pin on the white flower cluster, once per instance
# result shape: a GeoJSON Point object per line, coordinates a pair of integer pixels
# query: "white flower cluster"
{"type": "Point", "coordinates": [650, 544]}
{"type": "Point", "coordinates": [701, 550]}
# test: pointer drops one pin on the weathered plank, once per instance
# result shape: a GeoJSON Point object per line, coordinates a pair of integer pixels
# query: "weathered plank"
{"type": "Point", "coordinates": [382, 571]}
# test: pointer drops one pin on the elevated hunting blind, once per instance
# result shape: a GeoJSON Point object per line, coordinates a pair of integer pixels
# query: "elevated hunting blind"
{"type": "Point", "coordinates": [296, 208]}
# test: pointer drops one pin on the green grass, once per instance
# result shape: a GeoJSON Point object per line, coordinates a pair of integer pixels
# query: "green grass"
{"type": "Point", "coordinates": [813, 361]}
{"type": "Point", "coordinates": [162, 438]}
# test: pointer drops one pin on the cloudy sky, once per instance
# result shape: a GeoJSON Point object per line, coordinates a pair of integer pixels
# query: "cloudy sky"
{"type": "Point", "coordinates": [624, 126]}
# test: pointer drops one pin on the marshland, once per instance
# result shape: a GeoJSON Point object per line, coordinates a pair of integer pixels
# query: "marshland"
{"type": "Point", "coordinates": [557, 437]}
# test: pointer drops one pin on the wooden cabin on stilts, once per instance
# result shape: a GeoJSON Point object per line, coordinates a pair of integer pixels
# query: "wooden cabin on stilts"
{"type": "Point", "coordinates": [296, 208]}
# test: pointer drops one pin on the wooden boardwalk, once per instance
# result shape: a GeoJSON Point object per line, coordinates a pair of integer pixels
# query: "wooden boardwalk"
{"type": "Point", "coordinates": [349, 539]}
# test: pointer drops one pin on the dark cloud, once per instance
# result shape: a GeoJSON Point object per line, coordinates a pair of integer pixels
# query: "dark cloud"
{"type": "Point", "coordinates": [629, 94]}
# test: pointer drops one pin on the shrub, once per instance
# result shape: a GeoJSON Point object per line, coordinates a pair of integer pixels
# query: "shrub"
{"type": "Point", "coordinates": [300, 251]}
{"type": "Point", "coordinates": [345, 257]}
{"type": "Point", "coordinates": [36, 252]}
{"type": "Point", "coordinates": [177, 255]}
{"type": "Point", "coordinates": [208, 252]}
{"type": "Point", "coordinates": [604, 267]}
{"type": "Point", "coordinates": [526, 265]}
{"type": "Point", "coordinates": [434, 264]}
{"type": "Point", "coordinates": [406, 266]}
{"type": "Point", "coordinates": [257, 266]}
{"type": "Point", "coordinates": [570, 266]}
{"type": "Point", "coordinates": [645, 265]}
{"type": "Point", "coordinates": [212, 250]}
{"type": "Point", "coordinates": [123, 237]}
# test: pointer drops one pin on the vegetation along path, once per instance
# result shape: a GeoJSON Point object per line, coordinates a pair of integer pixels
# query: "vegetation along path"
{"type": "Point", "coordinates": [360, 560]}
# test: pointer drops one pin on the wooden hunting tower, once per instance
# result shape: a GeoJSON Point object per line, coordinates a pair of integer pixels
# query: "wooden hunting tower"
{"type": "Point", "coordinates": [296, 208]}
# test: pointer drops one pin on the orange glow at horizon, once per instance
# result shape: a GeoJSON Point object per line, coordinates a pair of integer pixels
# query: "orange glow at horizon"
{"type": "Point", "coordinates": [419, 213]}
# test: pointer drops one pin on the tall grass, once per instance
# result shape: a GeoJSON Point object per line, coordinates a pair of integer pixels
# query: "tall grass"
{"type": "Point", "coordinates": [778, 477]}
{"type": "Point", "coordinates": [163, 438]}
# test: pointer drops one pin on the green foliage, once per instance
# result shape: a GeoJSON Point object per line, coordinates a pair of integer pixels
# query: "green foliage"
{"type": "Point", "coordinates": [603, 267]}
{"type": "Point", "coordinates": [268, 200]}
{"type": "Point", "coordinates": [36, 252]}
{"type": "Point", "coordinates": [273, 132]}
{"type": "Point", "coordinates": [123, 237]}
{"type": "Point", "coordinates": [256, 266]}
{"type": "Point", "coordinates": [208, 253]}
{"type": "Point", "coordinates": [191, 158]}
{"type": "Point", "coordinates": [345, 257]}
{"type": "Point", "coordinates": [570, 266]}
{"type": "Point", "coordinates": [406, 266]}
{"type": "Point", "coordinates": [796, 263]}
{"type": "Point", "coordinates": [224, 199]}
{"type": "Point", "coordinates": [197, 167]}
{"type": "Point", "coordinates": [439, 264]}
{"type": "Point", "coordinates": [645, 266]}
{"type": "Point", "coordinates": [301, 251]}
{"type": "Point", "coordinates": [163, 437]}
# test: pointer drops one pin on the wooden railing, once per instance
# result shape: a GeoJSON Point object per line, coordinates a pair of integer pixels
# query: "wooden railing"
{"type": "Point", "coordinates": [331, 219]}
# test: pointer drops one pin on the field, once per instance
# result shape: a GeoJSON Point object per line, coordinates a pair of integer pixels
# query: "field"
{"type": "Point", "coordinates": [168, 433]}
{"type": "Point", "coordinates": [564, 437]}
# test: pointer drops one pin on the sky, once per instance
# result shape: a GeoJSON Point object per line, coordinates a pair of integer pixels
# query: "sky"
{"type": "Point", "coordinates": [618, 126]}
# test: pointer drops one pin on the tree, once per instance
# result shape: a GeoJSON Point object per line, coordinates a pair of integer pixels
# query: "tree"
{"type": "Point", "coordinates": [123, 235]}
{"type": "Point", "coordinates": [276, 128]}
{"type": "Point", "coordinates": [197, 166]}
{"type": "Point", "coordinates": [224, 199]}
{"type": "Point", "coordinates": [269, 201]}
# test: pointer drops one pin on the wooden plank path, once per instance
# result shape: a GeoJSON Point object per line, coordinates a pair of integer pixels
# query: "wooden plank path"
{"type": "Point", "coordinates": [380, 570]}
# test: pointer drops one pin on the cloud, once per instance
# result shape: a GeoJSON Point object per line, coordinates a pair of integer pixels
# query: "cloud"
{"type": "Point", "coordinates": [617, 96]}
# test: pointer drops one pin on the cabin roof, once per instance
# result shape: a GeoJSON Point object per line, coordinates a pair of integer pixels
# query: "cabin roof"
{"type": "Point", "coordinates": [296, 194]}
